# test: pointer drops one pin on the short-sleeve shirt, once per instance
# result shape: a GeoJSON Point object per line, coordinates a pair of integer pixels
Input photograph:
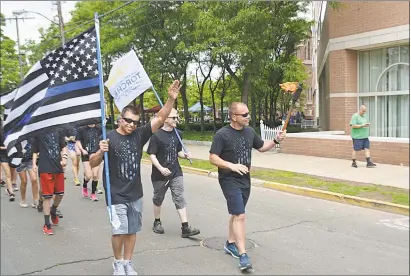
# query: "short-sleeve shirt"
{"type": "Point", "coordinates": [3, 152]}
{"type": "Point", "coordinates": [89, 137]}
{"type": "Point", "coordinates": [235, 146]}
{"type": "Point", "coordinates": [49, 146]}
{"type": "Point", "coordinates": [72, 131]}
{"type": "Point", "coordinates": [359, 133]}
{"type": "Point", "coordinates": [124, 159]}
{"type": "Point", "coordinates": [27, 155]}
{"type": "Point", "coordinates": [165, 145]}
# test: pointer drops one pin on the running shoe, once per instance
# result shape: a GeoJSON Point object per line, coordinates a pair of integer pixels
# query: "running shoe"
{"type": "Point", "coordinates": [84, 191]}
{"type": "Point", "coordinates": [93, 197]}
{"type": "Point", "coordinates": [118, 267]}
{"type": "Point", "coordinates": [129, 268]}
{"type": "Point", "coordinates": [47, 231]}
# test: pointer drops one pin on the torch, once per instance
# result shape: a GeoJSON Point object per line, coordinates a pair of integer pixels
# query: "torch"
{"type": "Point", "coordinates": [295, 89]}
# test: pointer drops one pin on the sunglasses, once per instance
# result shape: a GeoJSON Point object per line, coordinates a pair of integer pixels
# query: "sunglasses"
{"type": "Point", "coordinates": [129, 121]}
{"type": "Point", "coordinates": [245, 115]}
{"type": "Point", "coordinates": [174, 118]}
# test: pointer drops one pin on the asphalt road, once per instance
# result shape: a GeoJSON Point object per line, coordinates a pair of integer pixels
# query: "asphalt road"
{"type": "Point", "coordinates": [287, 234]}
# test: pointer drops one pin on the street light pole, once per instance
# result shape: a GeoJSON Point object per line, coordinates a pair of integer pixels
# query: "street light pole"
{"type": "Point", "coordinates": [18, 48]}
{"type": "Point", "coordinates": [18, 40]}
{"type": "Point", "coordinates": [61, 22]}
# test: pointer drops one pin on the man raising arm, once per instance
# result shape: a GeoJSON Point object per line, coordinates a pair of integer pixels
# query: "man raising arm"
{"type": "Point", "coordinates": [124, 147]}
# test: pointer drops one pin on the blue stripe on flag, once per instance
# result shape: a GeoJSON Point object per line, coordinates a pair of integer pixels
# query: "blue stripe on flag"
{"type": "Point", "coordinates": [72, 86]}
{"type": "Point", "coordinates": [25, 119]}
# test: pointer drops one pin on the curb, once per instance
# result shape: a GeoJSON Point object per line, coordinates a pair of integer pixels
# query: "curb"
{"type": "Point", "coordinates": [308, 192]}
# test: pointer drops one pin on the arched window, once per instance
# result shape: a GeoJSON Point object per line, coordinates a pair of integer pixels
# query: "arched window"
{"type": "Point", "coordinates": [384, 87]}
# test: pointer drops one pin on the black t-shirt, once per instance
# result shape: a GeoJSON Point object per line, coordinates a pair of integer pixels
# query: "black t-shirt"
{"type": "Point", "coordinates": [124, 159]}
{"type": "Point", "coordinates": [27, 155]}
{"type": "Point", "coordinates": [2, 138]}
{"type": "Point", "coordinates": [166, 146]}
{"type": "Point", "coordinates": [72, 131]}
{"type": "Point", "coordinates": [49, 146]}
{"type": "Point", "coordinates": [235, 146]}
{"type": "Point", "coordinates": [89, 137]}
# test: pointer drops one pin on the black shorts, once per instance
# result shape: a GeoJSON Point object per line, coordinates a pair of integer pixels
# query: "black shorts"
{"type": "Point", "coordinates": [237, 199]}
{"type": "Point", "coordinates": [360, 144]}
{"type": "Point", "coordinates": [4, 158]}
{"type": "Point", "coordinates": [85, 158]}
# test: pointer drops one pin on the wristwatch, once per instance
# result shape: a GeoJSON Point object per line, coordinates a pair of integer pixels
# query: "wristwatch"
{"type": "Point", "coordinates": [275, 141]}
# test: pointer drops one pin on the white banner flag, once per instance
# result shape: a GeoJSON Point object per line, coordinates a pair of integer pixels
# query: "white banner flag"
{"type": "Point", "coordinates": [127, 80]}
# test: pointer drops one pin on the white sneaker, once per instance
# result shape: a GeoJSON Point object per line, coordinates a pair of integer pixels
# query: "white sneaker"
{"type": "Point", "coordinates": [129, 268]}
{"type": "Point", "coordinates": [118, 267]}
{"type": "Point", "coordinates": [24, 204]}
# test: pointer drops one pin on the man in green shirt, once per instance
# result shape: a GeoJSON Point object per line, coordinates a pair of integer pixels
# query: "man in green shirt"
{"type": "Point", "coordinates": [360, 132]}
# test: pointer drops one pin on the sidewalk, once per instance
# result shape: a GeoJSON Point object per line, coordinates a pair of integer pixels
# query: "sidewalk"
{"type": "Point", "coordinates": [383, 174]}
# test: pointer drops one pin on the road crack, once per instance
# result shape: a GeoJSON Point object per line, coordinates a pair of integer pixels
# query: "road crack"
{"type": "Point", "coordinates": [295, 224]}
{"type": "Point", "coordinates": [106, 258]}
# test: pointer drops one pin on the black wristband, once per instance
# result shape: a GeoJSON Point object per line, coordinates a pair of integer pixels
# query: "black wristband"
{"type": "Point", "coordinates": [275, 141]}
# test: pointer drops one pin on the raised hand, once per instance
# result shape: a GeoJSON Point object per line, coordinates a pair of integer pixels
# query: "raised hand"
{"type": "Point", "coordinates": [174, 89]}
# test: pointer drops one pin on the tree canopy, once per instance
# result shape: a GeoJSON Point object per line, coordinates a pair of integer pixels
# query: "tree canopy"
{"type": "Point", "coordinates": [250, 46]}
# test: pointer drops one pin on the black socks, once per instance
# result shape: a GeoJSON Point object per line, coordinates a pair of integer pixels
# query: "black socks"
{"type": "Point", "coordinates": [53, 210]}
{"type": "Point", "coordinates": [156, 220]}
{"type": "Point", "coordinates": [93, 187]}
{"type": "Point", "coordinates": [85, 183]}
{"type": "Point", "coordinates": [47, 221]}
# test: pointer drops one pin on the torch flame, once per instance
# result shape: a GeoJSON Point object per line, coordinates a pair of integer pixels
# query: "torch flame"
{"type": "Point", "coordinates": [289, 87]}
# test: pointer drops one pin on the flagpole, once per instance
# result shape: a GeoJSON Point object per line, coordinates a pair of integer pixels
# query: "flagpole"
{"type": "Point", "coordinates": [103, 113]}
{"type": "Point", "coordinates": [175, 129]}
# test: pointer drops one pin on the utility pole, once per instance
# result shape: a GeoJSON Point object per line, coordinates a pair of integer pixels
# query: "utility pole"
{"type": "Point", "coordinates": [61, 23]}
{"type": "Point", "coordinates": [16, 18]}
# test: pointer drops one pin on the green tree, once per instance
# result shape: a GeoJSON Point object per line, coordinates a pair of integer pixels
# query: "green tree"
{"type": "Point", "coordinates": [9, 65]}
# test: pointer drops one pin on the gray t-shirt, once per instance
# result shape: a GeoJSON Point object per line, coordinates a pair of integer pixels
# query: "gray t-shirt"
{"type": "Point", "coordinates": [235, 146]}
{"type": "Point", "coordinates": [124, 159]}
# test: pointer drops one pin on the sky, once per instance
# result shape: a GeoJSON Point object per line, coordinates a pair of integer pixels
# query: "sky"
{"type": "Point", "coordinates": [28, 29]}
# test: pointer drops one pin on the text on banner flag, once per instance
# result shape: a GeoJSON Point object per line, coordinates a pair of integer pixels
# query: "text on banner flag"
{"type": "Point", "coordinates": [127, 80]}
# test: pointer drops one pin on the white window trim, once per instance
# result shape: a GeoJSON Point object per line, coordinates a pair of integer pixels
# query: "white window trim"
{"type": "Point", "coordinates": [365, 41]}
{"type": "Point", "coordinates": [385, 93]}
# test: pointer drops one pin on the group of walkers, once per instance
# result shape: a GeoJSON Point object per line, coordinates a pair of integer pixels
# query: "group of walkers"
{"type": "Point", "coordinates": [44, 160]}
{"type": "Point", "coordinates": [230, 152]}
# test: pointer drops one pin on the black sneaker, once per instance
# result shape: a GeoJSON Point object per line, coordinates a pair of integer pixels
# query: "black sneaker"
{"type": "Point", "coordinates": [189, 231]}
{"type": "Point", "coordinates": [2, 183]}
{"type": "Point", "coordinates": [11, 195]}
{"type": "Point", "coordinates": [40, 206]}
{"type": "Point", "coordinates": [371, 165]}
{"type": "Point", "coordinates": [59, 214]}
{"type": "Point", "coordinates": [157, 228]}
{"type": "Point", "coordinates": [354, 165]}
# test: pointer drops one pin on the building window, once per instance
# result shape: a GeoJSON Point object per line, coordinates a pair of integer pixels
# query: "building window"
{"type": "Point", "coordinates": [384, 87]}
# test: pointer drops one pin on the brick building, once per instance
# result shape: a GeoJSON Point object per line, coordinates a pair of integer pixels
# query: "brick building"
{"type": "Point", "coordinates": [361, 56]}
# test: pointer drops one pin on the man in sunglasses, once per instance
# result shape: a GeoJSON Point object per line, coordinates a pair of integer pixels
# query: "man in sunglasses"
{"type": "Point", "coordinates": [165, 149]}
{"type": "Point", "coordinates": [124, 146]}
{"type": "Point", "coordinates": [231, 153]}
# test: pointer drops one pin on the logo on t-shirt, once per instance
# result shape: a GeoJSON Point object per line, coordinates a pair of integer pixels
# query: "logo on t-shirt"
{"type": "Point", "coordinates": [171, 151]}
{"type": "Point", "coordinates": [242, 151]}
{"type": "Point", "coordinates": [52, 146]}
{"type": "Point", "coordinates": [127, 155]}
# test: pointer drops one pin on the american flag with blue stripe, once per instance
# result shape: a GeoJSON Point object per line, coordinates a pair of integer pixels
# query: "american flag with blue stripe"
{"type": "Point", "coordinates": [59, 90]}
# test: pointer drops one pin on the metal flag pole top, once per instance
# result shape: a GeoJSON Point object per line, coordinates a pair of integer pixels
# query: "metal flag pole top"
{"type": "Point", "coordinates": [175, 129]}
{"type": "Point", "coordinates": [103, 113]}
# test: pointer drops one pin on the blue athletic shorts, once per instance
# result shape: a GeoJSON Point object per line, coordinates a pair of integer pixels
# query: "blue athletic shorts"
{"type": "Point", "coordinates": [360, 144]}
{"type": "Point", "coordinates": [237, 199]}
